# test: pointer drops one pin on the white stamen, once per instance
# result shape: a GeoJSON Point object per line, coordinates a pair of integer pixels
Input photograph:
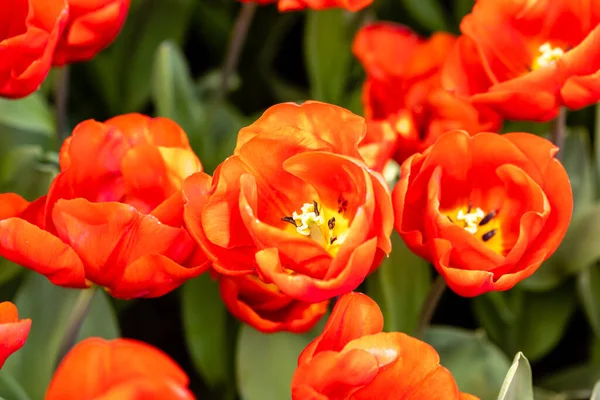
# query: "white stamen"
{"type": "Point", "coordinates": [308, 216]}
{"type": "Point", "coordinates": [549, 55]}
{"type": "Point", "coordinates": [471, 219]}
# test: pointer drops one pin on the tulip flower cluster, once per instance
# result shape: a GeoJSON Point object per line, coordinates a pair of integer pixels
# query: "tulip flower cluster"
{"type": "Point", "coordinates": [299, 215]}
{"type": "Point", "coordinates": [38, 34]}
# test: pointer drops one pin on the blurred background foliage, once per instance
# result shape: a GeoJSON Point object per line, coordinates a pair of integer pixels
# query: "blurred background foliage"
{"type": "Point", "coordinates": [167, 62]}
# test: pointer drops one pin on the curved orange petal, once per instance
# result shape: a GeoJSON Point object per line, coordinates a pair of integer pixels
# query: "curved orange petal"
{"type": "Point", "coordinates": [354, 315]}
{"type": "Point", "coordinates": [27, 245]}
{"type": "Point", "coordinates": [265, 308]}
{"type": "Point", "coordinates": [95, 366]}
{"type": "Point", "coordinates": [110, 236]}
{"type": "Point", "coordinates": [13, 332]}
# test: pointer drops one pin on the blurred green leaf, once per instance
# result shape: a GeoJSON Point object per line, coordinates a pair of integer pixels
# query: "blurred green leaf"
{"type": "Point", "coordinates": [400, 287]}
{"type": "Point", "coordinates": [580, 378]}
{"type": "Point", "coordinates": [206, 331]}
{"type": "Point", "coordinates": [10, 389]}
{"type": "Point", "coordinates": [49, 307]}
{"type": "Point", "coordinates": [517, 384]}
{"type": "Point", "coordinates": [23, 171]}
{"type": "Point", "coordinates": [462, 8]}
{"type": "Point", "coordinates": [265, 363]}
{"type": "Point", "coordinates": [173, 91]}
{"type": "Point", "coordinates": [588, 283]}
{"type": "Point", "coordinates": [429, 13]}
{"type": "Point", "coordinates": [597, 139]}
{"type": "Point", "coordinates": [477, 365]}
{"type": "Point", "coordinates": [327, 43]}
{"type": "Point", "coordinates": [578, 163]}
{"type": "Point", "coordinates": [596, 392]}
{"type": "Point", "coordinates": [577, 160]}
{"type": "Point", "coordinates": [123, 70]}
{"type": "Point", "coordinates": [526, 321]}
{"type": "Point", "coordinates": [31, 113]}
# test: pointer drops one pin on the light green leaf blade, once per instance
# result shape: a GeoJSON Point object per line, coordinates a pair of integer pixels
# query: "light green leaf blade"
{"type": "Point", "coordinates": [477, 365]}
{"type": "Point", "coordinates": [400, 287]}
{"type": "Point", "coordinates": [10, 388]}
{"type": "Point", "coordinates": [49, 307]}
{"type": "Point", "coordinates": [327, 44]}
{"type": "Point", "coordinates": [31, 113]}
{"type": "Point", "coordinates": [206, 331]}
{"type": "Point", "coordinates": [173, 91]}
{"type": "Point", "coordinates": [588, 282]}
{"type": "Point", "coordinates": [517, 384]}
{"type": "Point", "coordinates": [265, 363]}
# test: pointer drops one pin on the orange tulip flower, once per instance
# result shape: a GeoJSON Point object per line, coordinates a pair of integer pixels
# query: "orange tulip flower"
{"type": "Point", "coordinates": [486, 210]}
{"type": "Point", "coordinates": [118, 369]}
{"type": "Point", "coordinates": [294, 5]}
{"type": "Point", "coordinates": [265, 308]}
{"type": "Point", "coordinates": [527, 58]}
{"type": "Point", "coordinates": [92, 26]}
{"type": "Point", "coordinates": [354, 360]}
{"type": "Point", "coordinates": [294, 204]}
{"type": "Point", "coordinates": [13, 331]}
{"type": "Point", "coordinates": [405, 105]}
{"type": "Point", "coordinates": [114, 214]}
{"type": "Point", "coordinates": [30, 33]}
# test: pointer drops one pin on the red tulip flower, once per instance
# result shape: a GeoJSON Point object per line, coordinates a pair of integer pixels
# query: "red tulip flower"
{"type": "Point", "coordinates": [92, 26]}
{"type": "Point", "coordinates": [114, 214]}
{"type": "Point", "coordinates": [13, 331]}
{"type": "Point", "coordinates": [294, 204]}
{"type": "Point", "coordinates": [354, 360]}
{"type": "Point", "coordinates": [525, 59]}
{"type": "Point", "coordinates": [406, 107]}
{"type": "Point", "coordinates": [486, 210]}
{"type": "Point", "coordinates": [118, 369]}
{"type": "Point", "coordinates": [294, 5]}
{"type": "Point", "coordinates": [265, 308]}
{"type": "Point", "coordinates": [30, 33]}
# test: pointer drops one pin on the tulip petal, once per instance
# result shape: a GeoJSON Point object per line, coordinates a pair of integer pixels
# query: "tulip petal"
{"type": "Point", "coordinates": [13, 332]}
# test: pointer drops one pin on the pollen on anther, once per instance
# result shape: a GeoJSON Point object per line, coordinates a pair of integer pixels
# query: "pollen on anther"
{"type": "Point", "coordinates": [487, 218]}
{"type": "Point", "coordinates": [487, 236]}
{"type": "Point", "coordinates": [333, 239]}
{"type": "Point", "coordinates": [290, 220]}
{"type": "Point", "coordinates": [331, 223]}
{"type": "Point", "coordinates": [316, 205]}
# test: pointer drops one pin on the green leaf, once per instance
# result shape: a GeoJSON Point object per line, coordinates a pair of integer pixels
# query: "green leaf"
{"type": "Point", "coordinates": [462, 8]}
{"type": "Point", "coordinates": [265, 363]}
{"type": "Point", "coordinates": [327, 44]}
{"type": "Point", "coordinates": [588, 282]}
{"type": "Point", "coordinates": [573, 379]}
{"type": "Point", "coordinates": [400, 287]}
{"type": "Point", "coordinates": [32, 114]}
{"type": "Point", "coordinates": [11, 389]}
{"type": "Point", "coordinates": [206, 331]}
{"type": "Point", "coordinates": [517, 384]}
{"type": "Point", "coordinates": [578, 163]}
{"type": "Point", "coordinates": [577, 160]}
{"type": "Point", "coordinates": [123, 72]}
{"type": "Point", "coordinates": [477, 365]}
{"type": "Point", "coordinates": [596, 392]}
{"type": "Point", "coordinates": [173, 91]}
{"type": "Point", "coordinates": [524, 321]}
{"type": "Point", "coordinates": [428, 13]}
{"type": "Point", "coordinates": [49, 307]}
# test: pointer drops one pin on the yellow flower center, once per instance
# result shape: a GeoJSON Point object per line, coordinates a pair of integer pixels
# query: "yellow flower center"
{"type": "Point", "coordinates": [325, 226]}
{"type": "Point", "coordinates": [548, 56]}
{"type": "Point", "coordinates": [480, 224]}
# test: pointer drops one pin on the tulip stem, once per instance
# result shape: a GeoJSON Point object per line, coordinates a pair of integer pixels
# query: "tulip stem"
{"type": "Point", "coordinates": [236, 43]}
{"type": "Point", "coordinates": [78, 314]}
{"type": "Point", "coordinates": [558, 130]}
{"type": "Point", "coordinates": [61, 100]}
{"type": "Point", "coordinates": [429, 305]}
